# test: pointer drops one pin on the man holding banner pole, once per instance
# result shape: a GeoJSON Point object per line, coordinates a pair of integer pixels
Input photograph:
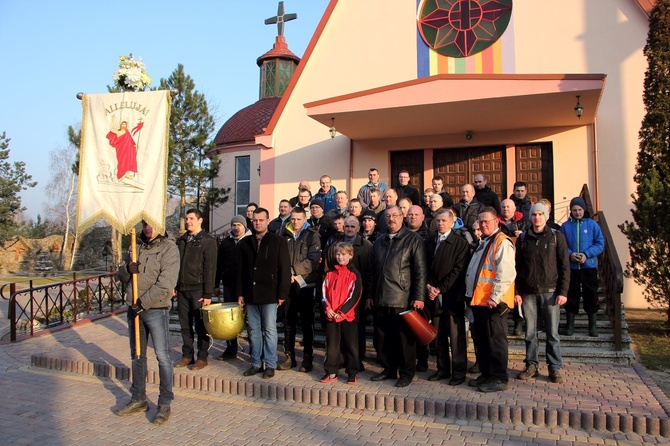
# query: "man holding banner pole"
{"type": "Point", "coordinates": [157, 269]}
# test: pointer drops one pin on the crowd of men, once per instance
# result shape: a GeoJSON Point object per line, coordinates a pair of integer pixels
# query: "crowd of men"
{"type": "Point", "coordinates": [474, 260]}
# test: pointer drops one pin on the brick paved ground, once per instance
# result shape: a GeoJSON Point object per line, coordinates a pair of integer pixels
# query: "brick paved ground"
{"type": "Point", "coordinates": [48, 407]}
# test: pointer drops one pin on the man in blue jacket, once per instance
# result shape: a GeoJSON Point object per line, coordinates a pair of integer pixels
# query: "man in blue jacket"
{"type": "Point", "coordinates": [326, 193]}
{"type": "Point", "coordinates": [585, 243]}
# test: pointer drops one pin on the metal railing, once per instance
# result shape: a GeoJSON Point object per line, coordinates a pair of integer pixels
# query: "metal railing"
{"type": "Point", "coordinates": [40, 307]}
{"type": "Point", "coordinates": [610, 272]}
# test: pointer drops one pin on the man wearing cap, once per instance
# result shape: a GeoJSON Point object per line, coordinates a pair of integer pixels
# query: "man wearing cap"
{"type": "Point", "coordinates": [226, 270]}
{"type": "Point", "coordinates": [195, 288]}
{"type": "Point", "coordinates": [319, 221]}
{"type": "Point", "coordinates": [369, 226]}
{"type": "Point", "coordinates": [157, 269]}
{"type": "Point", "coordinates": [542, 276]}
{"type": "Point", "coordinates": [585, 243]}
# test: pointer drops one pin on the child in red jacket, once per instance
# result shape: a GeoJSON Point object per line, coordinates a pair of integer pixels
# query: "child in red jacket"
{"type": "Point", "coordinates": [341, 293]}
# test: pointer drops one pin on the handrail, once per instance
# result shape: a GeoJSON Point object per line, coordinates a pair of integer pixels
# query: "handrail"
{"type": "Point", "coordinates": [610, 271]}
{"type": "Point", "coordinates": [37, 308]}
{"type": "Point", "coordinates": [611, 276]}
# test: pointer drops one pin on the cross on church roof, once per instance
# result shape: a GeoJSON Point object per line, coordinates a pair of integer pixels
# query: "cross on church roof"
{"type": "Point", "coordinates": [280, 19]}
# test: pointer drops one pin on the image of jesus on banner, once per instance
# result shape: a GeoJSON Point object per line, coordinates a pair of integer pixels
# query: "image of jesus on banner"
{"type": "Point", "coordinates": [126, 149]}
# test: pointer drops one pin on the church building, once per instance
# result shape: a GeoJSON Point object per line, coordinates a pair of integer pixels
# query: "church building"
{"type": "Point", "coordinates": [546, 92]}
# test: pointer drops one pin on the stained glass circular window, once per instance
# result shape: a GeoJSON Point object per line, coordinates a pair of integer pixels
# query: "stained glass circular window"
{"type": "Point", "coordinates": [461, 28]}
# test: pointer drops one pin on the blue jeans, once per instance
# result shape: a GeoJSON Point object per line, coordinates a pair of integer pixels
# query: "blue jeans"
{"type": "Point", "coordinates": [262, 327]}
{"type": "Point", "coordinates": [153, 322]}
{"type": "Point", "coordinates": [551, 314]}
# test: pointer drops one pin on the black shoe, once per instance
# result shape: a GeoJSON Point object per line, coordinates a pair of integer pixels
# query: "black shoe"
{"type": "Point", "coordinates": [252, 370]}
{"type": "Point", "coordinates": [422, 367]}
{"type": "Point", "coordinates": [227, 354]}
{"type": "Point", "coordinates": [382, 376]}
{"type": "Point", "coordinates": [268, 373]}
{"type": "Point", "coordinates": [477, 381]}
{"type": "Point", "coordinates": [438, 376]}
{"type": "Point", "coordinates": [402, 382]}
{"type": "Point", "coordinates": [133, 407]}
{"type": "Point", "coordinates": [456, 381]}
{"type": "Point", "coordinates": [306, 365]}
{"type": "Point", "coordinates": [493, 385]}
{"type": "Point", "coordinates": [352, 379]}
{"type": "Point", "coordinates": [162, 415]}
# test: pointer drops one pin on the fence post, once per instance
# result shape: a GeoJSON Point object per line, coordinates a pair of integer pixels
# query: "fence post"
{"type": "Point", "coordinates": [12, 312]}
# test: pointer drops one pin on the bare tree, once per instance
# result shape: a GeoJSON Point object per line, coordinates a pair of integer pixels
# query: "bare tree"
{"type": "Point", "coordinates": [61, 191]}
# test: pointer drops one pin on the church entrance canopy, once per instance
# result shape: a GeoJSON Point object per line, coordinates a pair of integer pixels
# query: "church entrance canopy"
{"type": "Point", "coordinates": [453, 103]}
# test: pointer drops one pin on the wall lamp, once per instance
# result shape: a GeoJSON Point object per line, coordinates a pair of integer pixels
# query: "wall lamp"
{"type": "Point", "coordinates": [578, 108]}
{"type": "Point", "coordinates": [332, 129]}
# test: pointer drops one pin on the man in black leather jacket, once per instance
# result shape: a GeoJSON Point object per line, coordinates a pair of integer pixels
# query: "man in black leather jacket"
{"type": "Point", "coordinates": [397, 279]}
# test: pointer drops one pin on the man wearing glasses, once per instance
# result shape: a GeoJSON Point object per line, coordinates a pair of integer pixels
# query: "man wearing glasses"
{"type": "Point", "coordinates": [488, 282]}
{"type": "Point", "coordinates": [396, 276]}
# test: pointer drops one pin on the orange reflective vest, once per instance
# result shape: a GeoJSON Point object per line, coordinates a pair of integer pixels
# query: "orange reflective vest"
{"type": "Point", "coordinates": [487, 276]}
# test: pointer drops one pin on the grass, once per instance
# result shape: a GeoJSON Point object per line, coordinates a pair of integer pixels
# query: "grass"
{"type": "Point", "coordinates": [651, 334]}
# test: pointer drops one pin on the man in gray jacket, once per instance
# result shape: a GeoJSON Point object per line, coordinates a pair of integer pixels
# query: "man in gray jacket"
{"type": "Point", "coordinates": [157, 269]}
{"type": "Point", "coordinates": [397, 269]}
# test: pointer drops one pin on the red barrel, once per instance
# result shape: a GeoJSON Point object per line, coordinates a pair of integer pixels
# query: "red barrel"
{"type": "Point", "coordinates": [421, 328]}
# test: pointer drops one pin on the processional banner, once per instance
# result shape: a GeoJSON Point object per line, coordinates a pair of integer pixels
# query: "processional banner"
{"type": "Point", "coordinates": [123, 159]}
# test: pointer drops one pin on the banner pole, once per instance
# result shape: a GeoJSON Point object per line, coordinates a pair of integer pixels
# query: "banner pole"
{"type": "Point", "coordinates": [136, 321]}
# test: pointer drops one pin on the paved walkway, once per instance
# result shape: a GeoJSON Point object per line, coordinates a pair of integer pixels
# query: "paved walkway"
{"type": "Point", "coordinates": [43, 403]}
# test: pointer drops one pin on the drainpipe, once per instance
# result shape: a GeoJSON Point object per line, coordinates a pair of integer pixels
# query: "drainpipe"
{"type": "Point", "coordinates": [351, 166]}
{"type": "Point", "coordinates": [596, 182]}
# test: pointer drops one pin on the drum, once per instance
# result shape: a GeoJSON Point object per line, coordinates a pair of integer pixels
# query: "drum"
{"type": "Point", "coordinates": [223, 321]}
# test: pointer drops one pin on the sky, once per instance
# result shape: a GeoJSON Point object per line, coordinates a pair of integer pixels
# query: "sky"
{"type": "Point", "coordinates": [51, 50]}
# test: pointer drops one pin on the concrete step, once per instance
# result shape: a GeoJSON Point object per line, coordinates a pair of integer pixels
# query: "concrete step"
{"type": "Point", "coordinates": [580, 354]}
{"type": "Point", "coordinates": [603, 341]}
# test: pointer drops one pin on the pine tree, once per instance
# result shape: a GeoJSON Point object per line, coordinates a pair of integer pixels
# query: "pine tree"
{"type": "Point", "coordinates": [190, 171]}
{"type": "Point", "coordinates": [649, 232]}
{"type": "Point", "coordinates": [13, 180]}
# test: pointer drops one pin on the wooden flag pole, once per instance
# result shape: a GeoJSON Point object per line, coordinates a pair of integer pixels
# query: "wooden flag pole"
{"type": "Point", "coordinates": [133, 258]}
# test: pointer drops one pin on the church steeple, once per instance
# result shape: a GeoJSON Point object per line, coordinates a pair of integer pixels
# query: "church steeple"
{"type": "Point", "coordinates": [277, 65]}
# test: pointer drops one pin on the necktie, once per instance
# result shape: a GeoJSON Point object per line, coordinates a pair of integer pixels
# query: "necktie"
{"type": "Point", "coordinates": [440, 239]}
